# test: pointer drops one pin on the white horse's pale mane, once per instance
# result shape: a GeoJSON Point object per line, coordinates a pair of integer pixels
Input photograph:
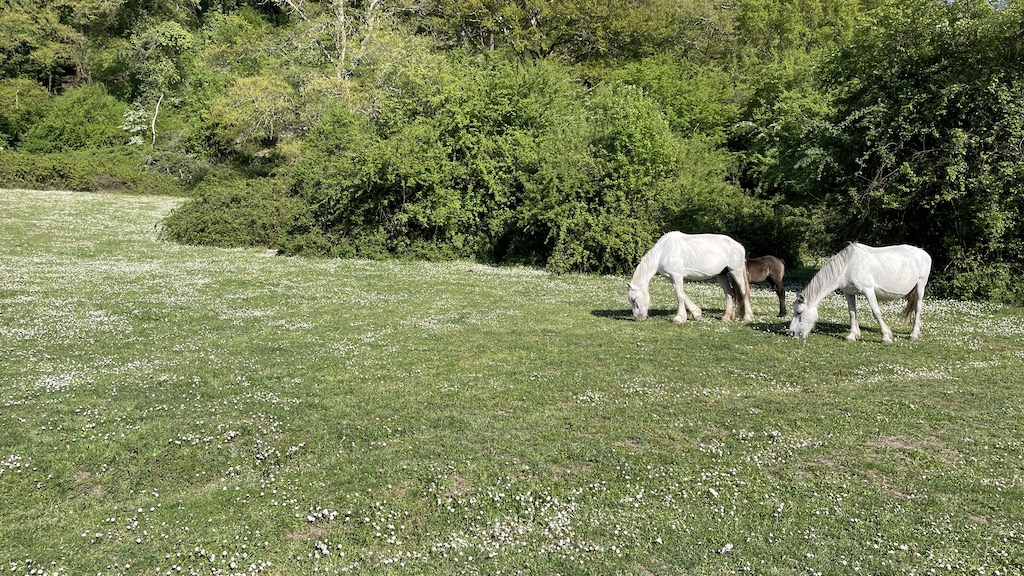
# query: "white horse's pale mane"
{"type": "Point", "coordinates": [647, 268]}
{"type": "Point", "coordinates": [827, 279]}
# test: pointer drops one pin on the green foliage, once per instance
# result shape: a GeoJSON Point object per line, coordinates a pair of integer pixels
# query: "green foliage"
{"type": "Point", "coordinates": [582, 30]}
{"type": "Point", "coordinates": [436, 172]}
{"type": "Point", "coordinates": [696, 99]}
{"type": "Point", "coordinates": [227, 41]}
{"type": "Point", "coordinates": [776, 28]}
{"type": "Point", "coordinates": [94, 170]}
{"type": "Point", "coordinates": [784, 137]}
{"type": "Point", "coordinates": [708, 202]}
{"type": "Point", "coordinates": [504, 163]}
{"type": "Point", "coordinates": [252, 114]}
{"type": "Point", "coordinates": [236, 214]}
{"type": "Point", "coordinates": [21, 104]}
{"type": "Point", "coordinates": [85, 117]}
{"type": "Point", "coordinates": [37, 42]}
{"type": "Point", "coordinates": [602, 182]}
{"type": "Point", "coordinates": [159, 58]}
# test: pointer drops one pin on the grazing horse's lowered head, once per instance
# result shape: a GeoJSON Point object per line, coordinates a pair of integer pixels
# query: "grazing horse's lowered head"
{"type": "Point", "coordinates": [639, 301]}
{"type": "Point", "coordinates": [804, 318]}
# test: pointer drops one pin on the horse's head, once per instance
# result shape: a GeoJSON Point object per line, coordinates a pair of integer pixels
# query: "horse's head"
{"type": "Point", "coordinates": [639, 300]}
{"type": "Point", "coordinates": [804, 318]}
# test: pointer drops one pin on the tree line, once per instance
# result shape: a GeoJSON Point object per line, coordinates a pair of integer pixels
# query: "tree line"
{"type": "Point", "coordinates": [565, 134]}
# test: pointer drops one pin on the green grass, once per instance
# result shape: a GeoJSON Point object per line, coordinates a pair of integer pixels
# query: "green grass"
{"type": "Point", "coordinates": [168, 409]}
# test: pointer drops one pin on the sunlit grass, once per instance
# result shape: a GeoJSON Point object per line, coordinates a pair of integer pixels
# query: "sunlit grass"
{"type": "Point", "coordinates": [170, 409]}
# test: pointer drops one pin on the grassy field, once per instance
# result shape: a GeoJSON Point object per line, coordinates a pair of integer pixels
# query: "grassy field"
{"type": "Point", "coordinates": [181, 410]}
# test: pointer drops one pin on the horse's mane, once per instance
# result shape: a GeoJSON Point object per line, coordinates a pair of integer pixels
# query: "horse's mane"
{"type": "Point", "coordinates": [647, 268]}
{"type": "Point", "coordinates": [828, 277]}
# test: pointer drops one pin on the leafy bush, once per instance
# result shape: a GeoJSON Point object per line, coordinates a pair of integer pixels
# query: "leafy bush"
{"type": "Point", "coordinates": [158, 60]}
{"type": "Point", "coordinates": [237, 214]}
{"type": "Point", "coordinates": [21, 104]}
{"type": "Point", "coordinates": [928, 135]}
{"type": "Point", "coordinates": [85, 117]}
{"type": "Point", "coordinates": [437, 172]}
{"type": "Point", "coordinates": [252, 113]}
{"type": "Point", "coordinates": [505, 163]}
{"type": "Point", "coordinates": [108, 170]}
{"type": "Point", "coordinates": [600, 188]}
{"type": "Point", "coordinates": [707, 201]}
{"type": "Point", "coordinates": [695, 99]}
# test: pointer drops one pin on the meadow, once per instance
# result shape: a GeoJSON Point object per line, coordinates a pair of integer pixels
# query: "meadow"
{"type": "Point", "coordinates": [169, 409]}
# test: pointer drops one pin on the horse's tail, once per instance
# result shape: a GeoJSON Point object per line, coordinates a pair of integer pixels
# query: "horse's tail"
{"type": "Point", "coordinates": [748, 307]}
{"type": "Point", "coordinates": [908, 312]}
{"type": "Point", "coordinates": [741, 294]}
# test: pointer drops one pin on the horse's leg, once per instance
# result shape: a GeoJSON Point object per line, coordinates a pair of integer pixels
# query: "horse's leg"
{"type": "Point", "coordinates": [851, 305]}
{"type": "Point", "coordinates": [877, 312]}
{"type": "Point", "coordinates": [684, 303]}
{"type": "Point", "coordinates": [915, 333]}
{"type": "Point", "coordinates": [723, 281]}
{"type": "Point", "coordinates": [777, 282]}
{"type": "Point", "coordinates": [740, 276]}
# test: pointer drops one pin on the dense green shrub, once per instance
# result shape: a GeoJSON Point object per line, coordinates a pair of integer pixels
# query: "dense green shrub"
{"type": "Point", "coordinates": [601, 184]}
{"type": "Point", "coordinates": [928, 128]}
{"type": "Point", "coordinates": [695, 99]}
{"type": "Point", "coordinates": [437, 171]}
{"type": "Point", "coordinates": [708, 201]}
{"type": "Point", "coordinates": [250, 116]}
{"type": "Point", "coordinates": [510, 163]}
{"type": "Point", "coordinates": [107, 169]}
{"type": "Point", "coordinates": [85, 117]}
{"type": "Point", "coordinates": [21, 104]}
{"type": "Point", "coordinates": [237, 214]}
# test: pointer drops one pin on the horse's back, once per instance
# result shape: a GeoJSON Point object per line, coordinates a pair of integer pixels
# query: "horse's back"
{"type": "Point", "coordinates": [766, 267]}
{"type": "Point", "coordinates": [702, 242]}
{"type": "Point", "coordinates": [894, 270]}
{"type": "Point", "coordinates": [708, 254]}
{"type": "Point", "coordinates": [902, 255]}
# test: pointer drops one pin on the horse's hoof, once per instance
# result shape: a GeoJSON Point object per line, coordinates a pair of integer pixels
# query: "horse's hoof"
{"type": "Point", "coordinates": [852, 337]}
{"type": "Point", "coordinates": [679, 320]}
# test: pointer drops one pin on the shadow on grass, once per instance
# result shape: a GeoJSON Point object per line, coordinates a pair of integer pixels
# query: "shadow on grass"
{"type": "Point", "coordinates": [778, 327]}
{"type": "Point", "coordinates": [626, 314]}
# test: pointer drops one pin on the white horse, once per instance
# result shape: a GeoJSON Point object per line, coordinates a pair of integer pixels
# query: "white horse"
{"type": "Point", "coordinates": [680, 257]}
{"type": "Point", "coordinates": [886, 273]}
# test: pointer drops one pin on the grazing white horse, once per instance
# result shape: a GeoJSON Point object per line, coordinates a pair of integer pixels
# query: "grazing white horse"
{"type": "Point", "coordinates": [680, 257]}
{"type": "Point", "coordinates": [886, 273]}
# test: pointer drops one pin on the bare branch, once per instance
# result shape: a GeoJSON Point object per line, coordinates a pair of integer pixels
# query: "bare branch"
{"type": "Point", "coordinates": [152, 125]}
